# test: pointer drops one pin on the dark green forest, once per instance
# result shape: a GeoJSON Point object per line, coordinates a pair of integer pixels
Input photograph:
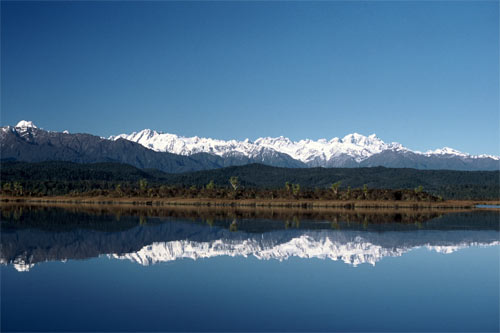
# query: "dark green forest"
{"type": "Point", "coordinates": [61, 178]}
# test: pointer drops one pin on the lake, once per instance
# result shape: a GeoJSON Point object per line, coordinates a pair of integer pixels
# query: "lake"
{"type": "Point", "coordinates": [135, 269]}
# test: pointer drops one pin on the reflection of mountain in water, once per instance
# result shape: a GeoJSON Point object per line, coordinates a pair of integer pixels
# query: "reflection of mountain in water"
{"type": "Point", "coordinates": [351, 247]}
{"type": "Point", "coordinates": [27, 240]}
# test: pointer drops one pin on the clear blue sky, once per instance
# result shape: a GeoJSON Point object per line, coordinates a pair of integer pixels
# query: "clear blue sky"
{"type": "Point", "coordinates": [425, 74]}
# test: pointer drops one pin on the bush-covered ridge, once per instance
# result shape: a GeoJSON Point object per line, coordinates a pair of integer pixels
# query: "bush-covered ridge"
{"type": "Point", "coordinates": [60, 178]}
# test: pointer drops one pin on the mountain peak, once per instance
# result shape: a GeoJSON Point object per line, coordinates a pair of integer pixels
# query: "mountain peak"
{"type": "Point", "coordinates": [26, 124]}
{"type": "Point", "coordinates": [322, 152]}
{"type": "Point", "coordinates": [446, 151]}
{"type": "Point", "coordinates": [351, 151]}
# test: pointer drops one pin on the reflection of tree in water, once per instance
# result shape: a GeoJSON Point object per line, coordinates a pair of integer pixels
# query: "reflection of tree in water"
{"type": "Point", "coordinates": [25, 244]}
{"type": "Point", "coordinates": [111, 218]}
{"type": "Point", "coordinates": [295, 223]}
{"type": "Point", "coordinates": [334, 225]}
{"type": "Point", "coordinates": [233, 226]}
{"type": "Point", "coordinates": [39, 233]}
{"type": "Point", "coordinates": [287, 224]}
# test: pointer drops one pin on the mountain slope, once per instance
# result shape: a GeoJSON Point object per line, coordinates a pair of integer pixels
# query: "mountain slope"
{"type": "Point", "coordinates": [233, 152]}
{"type": "Point", "coordinates": [353, 150]}
{"type": "Point", "coordinates": [409, 159]}
{"type": "Point", "coordinates": [174, 154]}
{"type": "Point", "coordinates": [28, 143]}
{"type": "Point", "coordinates": [375, 177]}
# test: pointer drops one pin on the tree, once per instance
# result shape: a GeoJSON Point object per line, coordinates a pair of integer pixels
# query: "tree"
{"type": "Point", "coordinates": [143, 184]}
{"type": "Point", "coordinates": [118, 190]}
{"type": "Point", "coordinates": [234, 182]}
{"type": "Point", "coordinates": [210, 185]}
{"type": "Point", "coordinates": [335, 187]}
{"type": "Point", "coordinates": [7, 187]}
{"type": "Point", "coordinates": [18, 188]}
{"type": "Point", "coordinates": [296, 189]}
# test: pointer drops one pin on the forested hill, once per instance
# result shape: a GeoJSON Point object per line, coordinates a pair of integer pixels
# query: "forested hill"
{"type": "Point", "coordinates": [258, 175]}
{"type": "Point", "coordinates": [449, 184]}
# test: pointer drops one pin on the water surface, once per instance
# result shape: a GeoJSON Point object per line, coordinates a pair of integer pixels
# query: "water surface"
{"type": "Point", "coordinates": [488, 206]}
{"type": "Point", "coordinates": [73, 270]}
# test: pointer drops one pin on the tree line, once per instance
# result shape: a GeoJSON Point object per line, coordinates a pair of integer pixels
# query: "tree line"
{"type": "Point", "coordinates": [246, 182]}
{"type": "Point", "coordinates": [142, 188]}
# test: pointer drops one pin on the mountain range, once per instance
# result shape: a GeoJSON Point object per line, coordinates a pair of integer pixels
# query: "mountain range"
{"type": "Point", "coordinates": [353, 150]}
{"type": "Point", "coordinates": [173, 153]}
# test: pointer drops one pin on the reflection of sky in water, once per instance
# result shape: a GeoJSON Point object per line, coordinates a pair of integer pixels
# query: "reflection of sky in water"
{"type": "Point", "coordinates": [422, 290]}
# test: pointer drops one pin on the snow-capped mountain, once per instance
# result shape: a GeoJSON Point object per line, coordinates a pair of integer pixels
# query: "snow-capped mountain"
{"type": "Point", "coordinates": [26, 142]}
{"type": "Point", "coordinates": [355, 145]}
{"type": "Point", "coordinates": [25, 124]}
{"type": "Point", "coordinates": [351, 150]}
{"type": "Point", "coordinates": [173, 153]}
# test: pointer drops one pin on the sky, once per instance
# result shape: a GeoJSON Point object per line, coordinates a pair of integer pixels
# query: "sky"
{"type": "Point", "coordinates": [425, 74]}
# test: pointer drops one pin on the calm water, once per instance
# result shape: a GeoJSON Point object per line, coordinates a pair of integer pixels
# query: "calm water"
{"type": "Point", "coordinates": [488, 206]}
{"type": "Point", "coordinates": [81, 270]}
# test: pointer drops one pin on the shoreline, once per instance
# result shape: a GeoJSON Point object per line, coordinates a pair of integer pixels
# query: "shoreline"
{"type": "Point", "coordinates": [257, 203]}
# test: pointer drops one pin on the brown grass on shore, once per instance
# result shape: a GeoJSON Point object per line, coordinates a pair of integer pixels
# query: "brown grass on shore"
{"type": "Point", "coordinates": [277, 203]}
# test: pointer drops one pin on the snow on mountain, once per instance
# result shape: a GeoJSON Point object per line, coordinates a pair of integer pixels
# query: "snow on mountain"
{"type": "Point", "coordinates": [350, 151]}
{"type": "Point", "coordinates": [355, 145]}
{"type": "Point", "coordinates": [312, 152]}
{"type": "Point", "coordinates": [447, 151]}
{"type": "Point", "coordinates": [165, 142]}
{"type": "Point", "coordinates": [25, 124]}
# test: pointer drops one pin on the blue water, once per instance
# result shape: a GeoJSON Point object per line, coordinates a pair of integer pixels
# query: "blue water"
{"type": "Point", "coordinates": [418, 290]}
{"type": "Point", "coordinates": [487, 206]}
